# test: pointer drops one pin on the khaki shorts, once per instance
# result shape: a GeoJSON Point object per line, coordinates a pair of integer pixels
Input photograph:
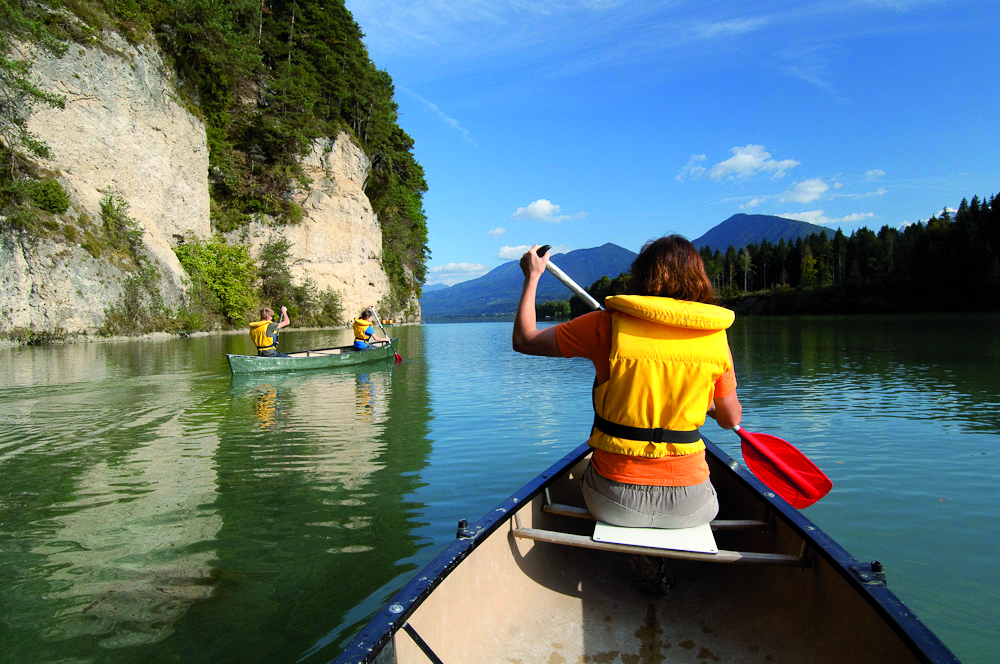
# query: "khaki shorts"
{"type": "Point", "coordinates": [645, 506]}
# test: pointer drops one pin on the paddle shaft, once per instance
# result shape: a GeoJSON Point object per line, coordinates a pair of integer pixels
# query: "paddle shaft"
{"type": "Point", "coordinates": [569, 283]}
{"type": "Point", "coordinates": [379, 321]}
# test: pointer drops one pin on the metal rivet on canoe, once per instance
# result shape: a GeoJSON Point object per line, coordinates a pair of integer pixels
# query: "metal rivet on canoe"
{"type": "Point", "coordinates": [395, 608]}
{"type": "Point", "coordinates": [768, 494]}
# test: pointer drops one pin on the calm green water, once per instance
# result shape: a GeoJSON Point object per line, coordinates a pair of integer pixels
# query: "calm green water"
{"type": "Point", "coordinates": [152, 509]}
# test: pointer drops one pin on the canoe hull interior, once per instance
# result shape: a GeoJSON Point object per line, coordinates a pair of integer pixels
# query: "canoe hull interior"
{"type": "Point", "coordinates": [322, 358]}
{"type": "Point", "coordinates": [501, 598]}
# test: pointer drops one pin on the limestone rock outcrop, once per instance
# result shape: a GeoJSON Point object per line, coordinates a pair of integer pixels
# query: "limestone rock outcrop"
{"type": "Point", "coordinates": [125, 130]}
{"type": "Point", "coordinates": [338, 243]}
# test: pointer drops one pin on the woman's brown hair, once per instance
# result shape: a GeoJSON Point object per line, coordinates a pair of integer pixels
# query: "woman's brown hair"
{"type": "Point", "coordinates": [671, 267]}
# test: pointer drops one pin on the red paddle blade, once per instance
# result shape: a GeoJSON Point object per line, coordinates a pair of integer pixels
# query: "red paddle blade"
{"type": "Point", "coordinates": [785, 470]}
{"type": "Point", "coordinates": [398, 358]}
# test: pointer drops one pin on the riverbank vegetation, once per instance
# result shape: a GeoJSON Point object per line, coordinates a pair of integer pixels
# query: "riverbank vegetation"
{"type": "Point", "coordinates": [269, 78]}
{"type": "Point", "coordinates": [951, 262]}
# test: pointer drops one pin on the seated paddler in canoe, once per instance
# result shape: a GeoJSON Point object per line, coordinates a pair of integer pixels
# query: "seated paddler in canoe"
{"type": "Point", "coordinates": [662, 363]}
{"type": "Point", "coordinates": [264, 332]}
{"type": "Point", "coordinates": [364, 331]}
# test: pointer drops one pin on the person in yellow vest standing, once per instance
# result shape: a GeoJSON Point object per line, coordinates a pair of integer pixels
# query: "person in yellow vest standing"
{"type": "Point", "coordinates": [364, 331]}
{"type": "Point", "coordinates": [662, 364]}
{"type": "Point", "coordinates": [264, 332]}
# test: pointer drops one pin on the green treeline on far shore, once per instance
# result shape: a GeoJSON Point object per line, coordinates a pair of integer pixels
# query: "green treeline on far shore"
{"type": "Point", "coordinates": [268, 77]}
{"type": "Point", "coordinates": [951, 262]}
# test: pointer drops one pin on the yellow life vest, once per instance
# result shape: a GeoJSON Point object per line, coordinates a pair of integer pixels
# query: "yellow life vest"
{"type": "Point", "coordinates": [360, 325]}
{"type": "Point", "coordinates": [258, 332]}
{"type": "Point", "coordinates": [666, 355]}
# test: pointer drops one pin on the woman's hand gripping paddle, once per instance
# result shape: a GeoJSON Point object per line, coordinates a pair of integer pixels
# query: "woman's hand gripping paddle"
{"type": "Point", "coordinates": [379, 321]}
{"type": "Point", "coordinates": [776, 462]}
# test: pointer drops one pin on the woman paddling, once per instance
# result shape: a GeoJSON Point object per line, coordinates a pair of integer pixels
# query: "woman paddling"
{"type": "Point", "coordinates": [662, 362]}
{"type": "Point", "coordinates": [364, 331]}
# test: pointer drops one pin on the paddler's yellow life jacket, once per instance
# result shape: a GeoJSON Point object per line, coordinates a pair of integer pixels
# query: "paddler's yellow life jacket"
{"type": "Point", "coordinates": [258, 332]}
{"type": "Point", "coordinates": [360, 325]}
{"type": "Point", "coordinates": [666, 355]}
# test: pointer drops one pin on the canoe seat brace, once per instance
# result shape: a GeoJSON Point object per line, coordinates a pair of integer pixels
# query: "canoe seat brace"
{"type": "Point", "coordinates": [583, 541]}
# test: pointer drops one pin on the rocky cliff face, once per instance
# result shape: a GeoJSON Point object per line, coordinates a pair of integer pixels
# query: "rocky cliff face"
{"type": "Point", "coordinates": [338, 243]}
{"type": "Point", "coordinates": [125, 130]}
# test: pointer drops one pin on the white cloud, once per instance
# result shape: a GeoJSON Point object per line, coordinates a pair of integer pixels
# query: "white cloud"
{"type": "Point", "coordinates": [850, 218]}
{"type": "Point", "coordinates": [544, 210]}
{"type": "Point", "coordinates": [559, 249]}
{"type": "Point", "coordinates": [874, 173]}
{"type": "Point", "coordinates": [748, 161]}
{"type": "Point", "coordinates": [817, 217]}
{"type": "Point", "coordinates": [514, 253]}
{"type": "Point", "coordinates": [453, 273]}
{"type": "Point", "coordinates": [693, 168]}
{"type": "Point", "coordinates": [806, 191]}
{"type": "Point", "coordinates": [881, 191]}
{"type": "Point", "coordinates": [496, 232]}
{"type": "Point", "coordinates": [753, 202]}
{"type": "Point", "coordinates": [508, 252]}
{"type": "Point", "coordinates": [704, 30]}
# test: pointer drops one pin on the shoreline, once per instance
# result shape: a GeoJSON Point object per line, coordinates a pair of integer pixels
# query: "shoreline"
{"type": "Point", "coordinates": [83, 337]}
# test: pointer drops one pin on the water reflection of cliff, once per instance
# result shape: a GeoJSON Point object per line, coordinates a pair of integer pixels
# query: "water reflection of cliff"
{"type": "Point", "coordinates": [314, 470]}
{"type": "Point", "coordinates": [110, 542]}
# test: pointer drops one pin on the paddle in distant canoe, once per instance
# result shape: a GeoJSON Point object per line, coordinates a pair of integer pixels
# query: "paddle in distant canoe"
{"type": "Point", "coordinates": [320, 358]}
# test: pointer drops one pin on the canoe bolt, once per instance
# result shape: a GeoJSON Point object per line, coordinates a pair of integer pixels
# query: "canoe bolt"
{"type": "Point", "coordinates": [395, 608]}
{"type": "Point", "coordinates": [463, 531]}
{"type": "Point", "coordinates": [768, 494]}
{"type": "Point", "coordinates": [871, 574]}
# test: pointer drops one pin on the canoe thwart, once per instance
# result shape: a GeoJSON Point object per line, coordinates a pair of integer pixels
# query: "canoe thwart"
{"type": "Point", "coordinates": [723, 556]}
{"type": "Point", "coordinates": [718, 525]}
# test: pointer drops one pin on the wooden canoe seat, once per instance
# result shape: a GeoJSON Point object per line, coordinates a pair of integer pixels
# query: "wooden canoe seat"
{"type": "Point", "coordinates": [722, 556]}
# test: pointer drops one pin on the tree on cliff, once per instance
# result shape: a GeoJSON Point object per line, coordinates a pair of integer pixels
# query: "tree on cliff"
{"type": "Point", "coordinates": [21, 23]}
{"type": "Point", "coordinates": [269, 77]}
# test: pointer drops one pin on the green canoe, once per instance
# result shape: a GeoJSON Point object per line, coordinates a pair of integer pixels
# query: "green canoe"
{"type": "Point", "coordinates": [320, 358]}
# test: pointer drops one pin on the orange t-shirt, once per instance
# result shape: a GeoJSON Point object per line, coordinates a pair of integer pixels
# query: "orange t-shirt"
{"type": "Point", "coordinates": [589, 336]}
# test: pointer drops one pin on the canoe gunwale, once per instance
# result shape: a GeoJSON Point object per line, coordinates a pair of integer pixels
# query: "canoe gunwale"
{"type": "Point", "coordinates": [366, 644]}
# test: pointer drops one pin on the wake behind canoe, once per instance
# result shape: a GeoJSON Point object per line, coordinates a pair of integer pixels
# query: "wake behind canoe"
{"type": "Point", "coordinates": [528, 583]}
{"type": "Point", "coordinates": [319, 358]}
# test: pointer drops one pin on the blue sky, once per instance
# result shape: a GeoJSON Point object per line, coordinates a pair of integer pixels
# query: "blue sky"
{"type": "Point", "coordinates": [579, 122]}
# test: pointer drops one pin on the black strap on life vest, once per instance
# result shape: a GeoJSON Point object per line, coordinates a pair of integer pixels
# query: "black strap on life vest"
{"type": "Point", "coordinates": [655, 435]}
{"type": "Point", "coordinates": [635, 433]}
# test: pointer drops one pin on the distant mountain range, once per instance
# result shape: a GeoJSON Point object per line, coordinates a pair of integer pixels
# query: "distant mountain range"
{"type": "Point", "coordinates": [743, 229]}
{"type": "Point", "coordinates": [497, 292]}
